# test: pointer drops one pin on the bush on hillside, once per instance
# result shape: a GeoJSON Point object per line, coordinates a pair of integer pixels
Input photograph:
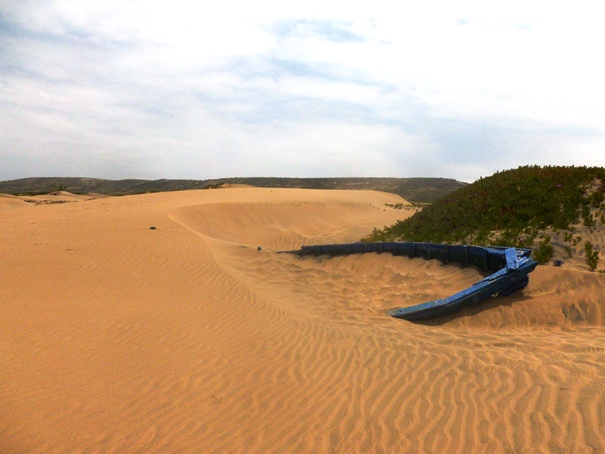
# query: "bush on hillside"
{"type": "Point", "coordinates": [592, 256]}
{"type": "Point", "coordinates": [508, 208]}
{"type": "Point", "coordinates": [545, 251]}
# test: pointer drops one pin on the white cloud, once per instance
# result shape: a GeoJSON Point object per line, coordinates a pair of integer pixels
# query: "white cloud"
{"type": "Point", "coordinates": [185, 89]}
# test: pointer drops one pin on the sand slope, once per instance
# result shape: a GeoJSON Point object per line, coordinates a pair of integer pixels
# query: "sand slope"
{"type": "Point", "coordinates": [186, 338]}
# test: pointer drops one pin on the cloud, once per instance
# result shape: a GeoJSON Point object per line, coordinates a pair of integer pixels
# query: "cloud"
{"type": "Point", "coordinates": [155, 89]}
{"type": "Point", "coordinates": [321, 29]}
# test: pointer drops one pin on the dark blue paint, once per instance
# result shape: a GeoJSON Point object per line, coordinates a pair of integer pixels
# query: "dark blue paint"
{"type": "Point", "coordinates": [511, 268]}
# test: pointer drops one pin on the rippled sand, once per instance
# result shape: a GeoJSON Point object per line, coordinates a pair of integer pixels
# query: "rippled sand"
{"type": "Point", "coordinates": [115, 337]}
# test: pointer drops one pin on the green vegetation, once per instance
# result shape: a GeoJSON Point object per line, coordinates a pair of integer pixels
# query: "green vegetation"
{"type": "Point", "coordinates": [597, 197]}
{"type": "Point", "coordinates": [545, 251]}
{"type": "Point", "coordinates": [592, 256]}
{"type": "Point", "coordinates": [414, 190]}
{"type": "Point", "coordinates": [568, 251]}
{"type": "Point", "coordinates": [58, 187]}
{"type": "Point", "coordinates": [509, 208]}
{"type": "Point", "coordinates": [396, 206]}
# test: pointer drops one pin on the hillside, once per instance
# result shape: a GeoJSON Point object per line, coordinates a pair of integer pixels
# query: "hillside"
{"type": "Point", "coordinates": [524, 207]}
{"type": "Point", "coordinates": [420, 190]}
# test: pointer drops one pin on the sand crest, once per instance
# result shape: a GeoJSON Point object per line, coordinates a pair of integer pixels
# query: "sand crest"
{"type": "Point", "coordinates": [116, 337]}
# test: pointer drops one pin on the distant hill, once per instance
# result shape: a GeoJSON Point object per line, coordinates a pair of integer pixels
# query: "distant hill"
{"type": "Point", "coordinates": [419, 190]}
{"type": "Point", "coordinates": [510, 208]}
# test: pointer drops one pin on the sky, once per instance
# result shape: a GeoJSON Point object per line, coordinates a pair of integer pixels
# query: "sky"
{"type": "Point", "coordinates": [187, 89]}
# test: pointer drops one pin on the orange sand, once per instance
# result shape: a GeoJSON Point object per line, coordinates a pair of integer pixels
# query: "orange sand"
{"type": "Point", "coordinates": [118, 338]}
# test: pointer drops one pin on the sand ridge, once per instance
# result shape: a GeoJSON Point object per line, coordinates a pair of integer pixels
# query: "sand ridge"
{"type": "Point", "coordinates": [187, 338]}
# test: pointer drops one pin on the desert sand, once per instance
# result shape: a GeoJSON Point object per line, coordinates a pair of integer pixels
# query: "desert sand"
{"type": "Point", "coordinates": [115, 337]}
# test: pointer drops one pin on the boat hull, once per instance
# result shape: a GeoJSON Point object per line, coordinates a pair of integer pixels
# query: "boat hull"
{"type": "Point", "coordinates": [511, 269]}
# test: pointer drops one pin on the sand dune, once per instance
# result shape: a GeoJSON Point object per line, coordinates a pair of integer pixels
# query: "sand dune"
{"type": "Point", "coordinates": [10, 201]}
{"type": "Point", "coordinates": [188, 338]}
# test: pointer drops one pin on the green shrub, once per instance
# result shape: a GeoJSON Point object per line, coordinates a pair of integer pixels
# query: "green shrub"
{"type": "Point", "coordinates": [506, 202]}
{"type": "Point", "coordinates": [592, 256]}
{"type": "Point", "coordinates": [588, 218]}
{"type": "Point", "coordinates": [545, 251]}
{"type": "Point", "coordinates": [596, 198]}
{"type": "Point", "coordinates": [376, 235]}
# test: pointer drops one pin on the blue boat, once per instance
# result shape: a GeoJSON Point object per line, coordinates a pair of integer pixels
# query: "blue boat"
{"type": "Point", "coordinates": [511, 268]}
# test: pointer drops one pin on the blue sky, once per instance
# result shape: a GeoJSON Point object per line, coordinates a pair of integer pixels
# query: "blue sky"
{"type": "Point", "coordinates": [179, 89]}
